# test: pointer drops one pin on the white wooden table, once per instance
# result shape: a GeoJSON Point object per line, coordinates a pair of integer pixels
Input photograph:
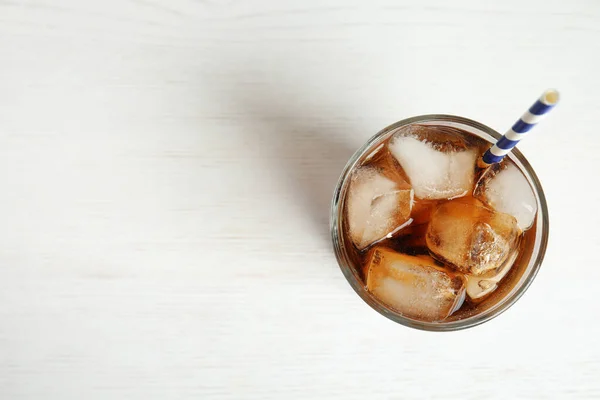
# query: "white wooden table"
{"type": "Point", "coordinates": [166, 169]}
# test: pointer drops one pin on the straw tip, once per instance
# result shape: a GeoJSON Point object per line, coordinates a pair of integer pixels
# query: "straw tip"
{"type": "Point", "coordinates": [481, 163]}
{"type": "Point", "coordinates": [550, 97]}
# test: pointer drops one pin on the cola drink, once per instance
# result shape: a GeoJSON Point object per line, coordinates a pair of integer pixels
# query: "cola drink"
{"type": "Point", "coordinates": [429, 236]}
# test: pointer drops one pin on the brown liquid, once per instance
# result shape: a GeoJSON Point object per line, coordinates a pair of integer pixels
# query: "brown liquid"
{"type": "Point", "coordinates": [411, 240]}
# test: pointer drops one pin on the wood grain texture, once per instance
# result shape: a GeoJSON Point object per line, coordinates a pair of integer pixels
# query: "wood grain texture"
{"type": "Point", "coordinates": [166, 169]}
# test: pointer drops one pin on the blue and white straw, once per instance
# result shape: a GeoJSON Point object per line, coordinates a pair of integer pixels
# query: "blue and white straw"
{"type": "Point", "coordinates": [519, 130]}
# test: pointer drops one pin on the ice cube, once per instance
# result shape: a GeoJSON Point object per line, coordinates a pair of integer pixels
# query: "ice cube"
{"type": "Point", "coordinates": [505, 189]}
{"type": "Point", "coordinates": [439, 165]}
{"type": "Point", "coordinates": [473, 239]}
{"type": "Point", "coordinates": [414, 286]}
{"type": "Point", "coordinates": [480, 286]}
{"type": "Point", "coordinates": [379, 202]}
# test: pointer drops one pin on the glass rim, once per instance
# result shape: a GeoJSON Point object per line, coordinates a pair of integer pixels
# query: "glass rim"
{"type": "Point", "coordinates": [542, 231]}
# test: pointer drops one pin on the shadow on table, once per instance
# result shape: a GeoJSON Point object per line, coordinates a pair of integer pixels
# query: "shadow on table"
{"type": "Point", "coordinates": [308, 154]}
{"type": "Point", "coordinates": [303, 146]}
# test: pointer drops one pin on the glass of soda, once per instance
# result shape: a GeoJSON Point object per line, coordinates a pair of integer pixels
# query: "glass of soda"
{"type": "Point", "coordinates": [429, 237]}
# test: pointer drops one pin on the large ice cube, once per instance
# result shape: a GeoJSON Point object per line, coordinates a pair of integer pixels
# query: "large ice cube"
{"type": "Point", "coordinates": [480, 286]}
{"type": "Point", "coordinates": [439, 165]}
{"type": "Point", "coordinates": [506, 189]}
{"type": "Point", "coordinates": [379, 202]}
{"type": "Point", "coordinates": [414, 286]}
{"type": "Point", "coordinates": [474, 239]}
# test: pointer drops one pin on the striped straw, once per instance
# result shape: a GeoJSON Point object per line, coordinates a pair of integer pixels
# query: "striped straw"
{"type": "Point", "coordinates": [519, 130]}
